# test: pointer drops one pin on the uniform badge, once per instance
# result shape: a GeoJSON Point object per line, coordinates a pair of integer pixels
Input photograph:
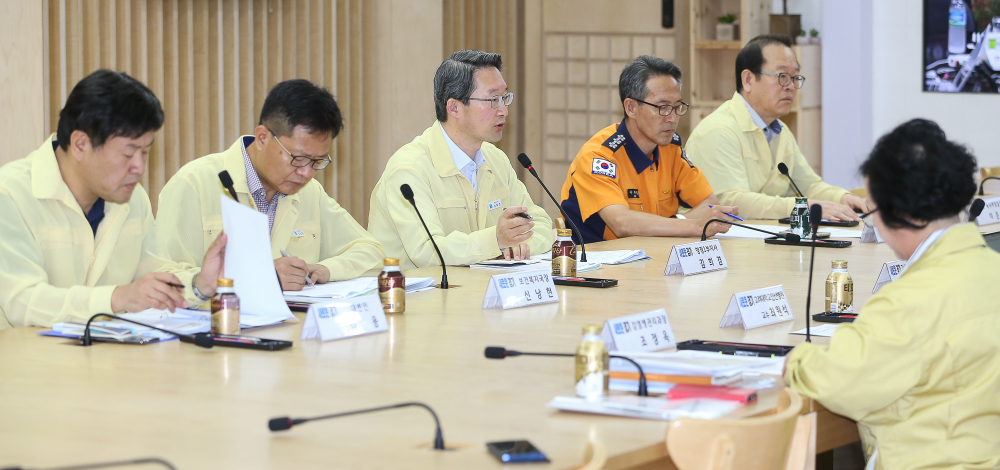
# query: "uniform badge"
{"type": "Point", "coordinates": [495, 204]}
{"type": "Point", "coordinates": [298, 233]}
{"type": "Point", "coordinates": [684, 155]}
{"type": "Point", "coordinates": [633, 193]}
{"type": "Point", "coordinates": [676, 140]}
{"type": "Point", "coordinates": [616, 140]}
{"type": "Point", "coordinates": [604, 167]}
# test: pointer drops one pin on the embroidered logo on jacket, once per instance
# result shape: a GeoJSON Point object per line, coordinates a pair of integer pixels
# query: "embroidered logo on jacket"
{"type": "Point", "coordinates": [684, 155]}
{"type": "Point", "coordinates": [605, 168]}
{"type": "Point", "coordinates": [676, 140]}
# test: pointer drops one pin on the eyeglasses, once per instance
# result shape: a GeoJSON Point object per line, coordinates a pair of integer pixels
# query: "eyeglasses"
{"type": "Point", "coordinates": [495, 101]}
{"type": "Point", "coordinates": [666, 109]}
{"type": "Point", "coordinates": [301, 161]}
{"type": "Point", "coordinates": [784, 79]}
{"type": "Point", "coordinates": [904, 222]}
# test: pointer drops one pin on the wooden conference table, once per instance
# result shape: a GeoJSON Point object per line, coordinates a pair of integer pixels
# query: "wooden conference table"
{"type": "Point", "coordinates": [62, 404]}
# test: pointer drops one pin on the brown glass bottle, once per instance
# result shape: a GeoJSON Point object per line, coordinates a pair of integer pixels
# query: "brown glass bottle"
{"type": "Point", "coordinates": [225, 309]}
{"type": "Point", "coordinates": [564, 254]}
{"type": "Point", "coordinates": [392, 287]}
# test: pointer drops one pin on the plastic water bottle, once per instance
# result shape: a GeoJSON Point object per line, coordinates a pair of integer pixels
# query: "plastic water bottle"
{"type": "Point", "coordinates": [956, 27]}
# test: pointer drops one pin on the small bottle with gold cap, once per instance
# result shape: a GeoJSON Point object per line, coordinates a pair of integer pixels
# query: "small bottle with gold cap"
{"type": "Point", "coordinates": [592, 364]}
{"type": "Point", "coordinates": [225, 309]}
{"type": "Point", "coordinates": [564, 254]}
{"type": "Point", "coordinates": [392, 287]}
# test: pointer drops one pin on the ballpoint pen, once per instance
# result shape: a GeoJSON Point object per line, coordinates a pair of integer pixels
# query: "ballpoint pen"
{"type": "Point", "coordinates": [731, 215]}
{"type": "Point", "coordinates": [308, 281]}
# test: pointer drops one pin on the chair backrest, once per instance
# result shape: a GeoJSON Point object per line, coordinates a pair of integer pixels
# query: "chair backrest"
{"type": "Point", "coordinates": [989, 171]}
{"type": "Point", "coordinates": [558, 223]}
{"type": "Point", "coordinates": [750, 443]}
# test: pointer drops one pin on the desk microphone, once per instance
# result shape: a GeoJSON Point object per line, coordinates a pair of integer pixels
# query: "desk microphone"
{"type": "Point", "coordinates": [285, 423]}
{"type": "Point", "coordinates": [981, 193]}
{"type": "Point", "coordinates": [787, 236]}
{"type": "Point", "coordinates": [815, 214]}
{"type": "Point", "coordinates": [498, 352]}
{"type": "Point", "coordinates": [227, 182]}
{"type": "Point", "coordinates": [784, 170]}
{"type": "Point", "coordinates": [408, 194]}
{"type": "Point", "coordinates": [526, 163]}
{"type": "Point", "coordinates": [199, 339]}
{"type": "Point", "coordinates": [975, 209]}
{"type": "Point", "coordinates": [119, 463]}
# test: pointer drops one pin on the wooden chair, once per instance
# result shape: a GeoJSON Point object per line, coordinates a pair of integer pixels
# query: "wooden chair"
{"type": "Point", "coordinates": [595, 458]}
{"type": "Point", "coordinates": [989, 187]}
{"type": "Point", "coordinates": [782, 439]}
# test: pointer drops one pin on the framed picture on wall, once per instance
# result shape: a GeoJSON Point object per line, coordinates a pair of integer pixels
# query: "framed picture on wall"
{"type": "Point", "coordinates": [962, 46]}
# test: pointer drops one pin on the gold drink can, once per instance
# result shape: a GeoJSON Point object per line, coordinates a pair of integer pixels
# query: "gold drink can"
{"type": "Point", "coordinates": [592, 364]}
{"type": "Point", "coordinates": [564, 254]}
{"type": "Point", "coordinates": [392, 287]}
{"type": "Point", "coordinates": [839, 289]}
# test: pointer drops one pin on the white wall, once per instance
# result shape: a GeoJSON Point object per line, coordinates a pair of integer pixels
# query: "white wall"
{"type": "Point", "coordinates": [873, 81]}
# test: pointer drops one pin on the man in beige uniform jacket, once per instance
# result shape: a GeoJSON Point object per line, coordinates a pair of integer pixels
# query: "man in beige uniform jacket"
{"type": "Point", "coordinates": [740, 145]}
{"type": "Point", "coordinates": [272, 172]}
{"type": "Point", "coordinates": [77, 236]}
{"type": "Point", "coordinates": [464, 186]}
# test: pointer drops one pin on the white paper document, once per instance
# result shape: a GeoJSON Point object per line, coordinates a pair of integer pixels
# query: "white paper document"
{"type": "Point", "coordinates": [533, 265]}
{"type": "Point", "coordinates": [740, 232]}
{"type": "Point", "coordinates": [250, 265]}
{"type": "Point", "coordinates": [823, 329]}
{"type": "Point", "coordinates": [352, 288]}
{"type": "Point", "coordinates": [603, 257]}
{"type": "Point", "coordinates": [647, 407]}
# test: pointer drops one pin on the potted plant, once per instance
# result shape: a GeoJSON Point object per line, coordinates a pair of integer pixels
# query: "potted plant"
{"type": "Point", "coordinates": [726, 29]}
{"type": "Point", "coordinates": [814, 36]}
{"type": "Point", "coordinates": [801, 38]}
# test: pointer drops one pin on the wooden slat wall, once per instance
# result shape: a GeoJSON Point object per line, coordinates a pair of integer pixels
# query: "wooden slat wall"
{"type": "Point", "coordinates": [493, 26]}
{"type": "Point", "coordinates": [212, 62]}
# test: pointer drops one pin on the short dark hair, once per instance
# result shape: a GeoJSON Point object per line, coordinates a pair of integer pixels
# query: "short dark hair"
{"type": "Point", "coordinates": [632, 82]}
{"type": "Point", "coordinates": [108, 104]}
{"type": "Point", "coordinates": [751, 57]}
{"type": "Point", "coordinates": [454, 77]}
{"type": "Point", "coordinates": [916, 173]}
{"type": "Point", "coordinates": [299, 102]}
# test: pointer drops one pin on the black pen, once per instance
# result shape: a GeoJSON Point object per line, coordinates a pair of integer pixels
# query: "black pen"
{"type": "Point", "coordinates": [524, 215]}
{"type": "Point", "coordinates": [179, 286]}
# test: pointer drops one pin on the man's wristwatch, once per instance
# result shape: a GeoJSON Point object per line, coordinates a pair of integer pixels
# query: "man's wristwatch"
{"type": "Point", "coordinates": [194, 288]}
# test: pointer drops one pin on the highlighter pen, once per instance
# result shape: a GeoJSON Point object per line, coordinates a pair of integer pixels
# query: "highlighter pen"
{"type": "Point", "coordinates": [308, 281]}
{"type": "Point", "coordinates": [731, 215]}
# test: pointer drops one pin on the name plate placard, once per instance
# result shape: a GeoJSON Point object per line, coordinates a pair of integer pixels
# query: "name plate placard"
{"type": "Point", "coordinates": [695, 258]}
{"type": "Point", "coordinates": [889, 273]}
{"type": "Point", "coordinates": [759, 307]}
{"type": "Point", "coordinates": [870, 235]}
{"type": "Point", "coordinates": [512, 290]}
{"type": "Point", "coordinates": [345, 318]}
{"type": "Point", "coordinates": [647, 331]}
{"type": "Point", "coordinates": [991, 212]}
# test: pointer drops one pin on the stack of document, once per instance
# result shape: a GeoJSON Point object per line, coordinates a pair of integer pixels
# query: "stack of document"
{"type": "Point", "coordinates": [664, 370]}
{"type": "Point", "coordinates": [647, 407]}
{"type": "Point", "coordinates": [604, 257]}
{"type": "Point", "coordinates": [182, 321]}
{"type": "Point", "coordinates": [740, 232]}
{"type": "Point", "coordinates": [352, 288]}
{"type": "Point", "coordinates": [532, 264]}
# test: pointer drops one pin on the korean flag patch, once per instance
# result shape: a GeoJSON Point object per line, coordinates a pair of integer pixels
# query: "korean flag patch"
{"type": "Point", "coordinates": [604, 168]}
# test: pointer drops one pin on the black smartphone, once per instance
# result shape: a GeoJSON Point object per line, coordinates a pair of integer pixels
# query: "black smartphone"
{"type": "Point", "coordinates": [736, 349]}
{"type": "Point", "coordinates": [830, 223]}
{"type": "Point", "coordinates": [830, 317]}
{"type": "Point", "coordinates": [516, 452]}
{"type": "Point", "coordinates": [819, 243]}
{"type": "Point", "coordinates": [247, 342]}
{"type": "Point", "coordinates": [584, 281]}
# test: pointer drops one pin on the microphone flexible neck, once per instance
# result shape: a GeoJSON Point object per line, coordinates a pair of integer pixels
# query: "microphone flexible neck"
{"type": "Point", "coordinates": [572, 225]}
{"type": "Point", "coordinates": [444, 269]}
{"type": "Point", "coordinates": [438, 436]}
{"type": "Point", "coordinates": [196, 339]}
